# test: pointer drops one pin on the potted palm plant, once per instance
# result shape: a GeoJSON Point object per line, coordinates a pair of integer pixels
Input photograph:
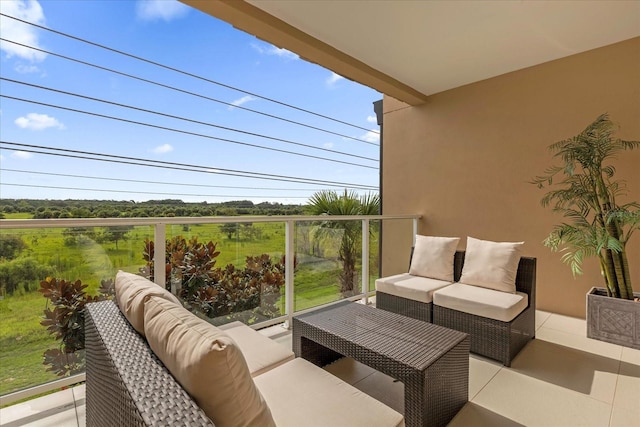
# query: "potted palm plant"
{"type": "Point", "coordinates": [583, 190]}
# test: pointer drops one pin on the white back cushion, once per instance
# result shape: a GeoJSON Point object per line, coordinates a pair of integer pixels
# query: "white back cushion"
{"type": "Point", "coordinates": [433, 257]}
{"type": "Point", "coordinates": [207, 363]}
{"type": "Point", "coordinates": [492, 265]}
{"type": "Point", "coordinates": [131, 293]}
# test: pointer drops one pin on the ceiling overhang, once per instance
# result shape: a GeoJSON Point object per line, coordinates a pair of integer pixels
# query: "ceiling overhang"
{"type": "Point", "coordinates": [253, 20]}
{"type": "Point", "coordinates": [411, 49]}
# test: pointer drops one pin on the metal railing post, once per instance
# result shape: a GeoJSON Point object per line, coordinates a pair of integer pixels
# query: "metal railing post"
{"type": "Point", "coordinates": [159, 255]}
{"type": "Point", "coordinates": [290, 253]}
{"type": "Point", "coordinates": [365, 259]}
{"type": "Point", "coordinates": [415, 230]}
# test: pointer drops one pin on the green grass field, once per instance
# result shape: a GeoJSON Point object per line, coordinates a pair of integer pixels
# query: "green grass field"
{"type": "Point", "coordinates": [23, 339]}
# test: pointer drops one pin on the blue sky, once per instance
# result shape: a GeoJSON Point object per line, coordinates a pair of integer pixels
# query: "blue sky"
{"type": "Point", "coordinates": [172, 34]}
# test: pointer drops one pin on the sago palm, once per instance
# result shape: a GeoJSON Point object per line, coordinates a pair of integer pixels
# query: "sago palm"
{"type": "Point", "coordinates": [328, 202]}
{"type": "Point", "coordinates": [585, 193]}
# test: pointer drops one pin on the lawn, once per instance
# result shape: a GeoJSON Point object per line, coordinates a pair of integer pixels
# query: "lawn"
{"type": "Point", "coordinates": [22, 342]}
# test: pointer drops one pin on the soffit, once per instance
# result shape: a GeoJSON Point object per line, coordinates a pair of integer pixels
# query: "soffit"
{"type": "Point", "coordinates": [432, 46]}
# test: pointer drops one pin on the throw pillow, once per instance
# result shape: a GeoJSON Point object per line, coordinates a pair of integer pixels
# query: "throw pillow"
{"type": "Point", "coordinates": [492, 265]}
{"type": "Point", "coordinates": [433, 257]}
{"type": "Point", "coordinates": [131, 293]}
{"type": "Point", "coordinates": [207, 363]}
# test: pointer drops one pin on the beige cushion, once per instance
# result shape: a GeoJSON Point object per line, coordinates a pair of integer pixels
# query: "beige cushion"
{"type": "Point", "coordinates": [492, 265]}
{"type": "Point", "coordinates": [482, 302]}
{"type": "Point", "coordinates": [131, 293]}
{"type": "Point", "coordinates": [260, 352]}
{"type": "Point", "coordinates": [207, 363]}
{"type": "Point", "coordinates": [301, 394]}
{"type": "Point", "coordinates": [433, 257]}
{"type": "Point", "coordinates": [411, 287]}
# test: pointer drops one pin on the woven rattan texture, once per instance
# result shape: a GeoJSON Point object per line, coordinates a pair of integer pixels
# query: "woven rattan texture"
{"type": "Point", "coordinates": [405, 306]}
{"type": "Point", "coordinates": [431, 361]}
{"type": "Point", "coordinates": [494, 339]}
{"type": "Point", "coordinates": [127, 385]}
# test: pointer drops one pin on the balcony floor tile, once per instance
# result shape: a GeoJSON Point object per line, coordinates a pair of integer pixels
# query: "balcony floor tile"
{"type": "Point", "coordinates": [561, 378]}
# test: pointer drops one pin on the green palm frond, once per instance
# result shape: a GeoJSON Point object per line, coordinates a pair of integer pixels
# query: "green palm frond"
{"type": "Point", "coordinates": [583, 190]}
{"type": "Point", "coordinates": [330, 203]}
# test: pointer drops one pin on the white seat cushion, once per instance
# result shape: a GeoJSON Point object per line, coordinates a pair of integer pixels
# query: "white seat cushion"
{"type": "Point", "coordinates": [260, 352]}
{"type": "Point", "coordinates": [502, 306]}
{"type": "Point", "coordinates": [415, 288]}
{"type": "Point", "coordinates": [301, 394]}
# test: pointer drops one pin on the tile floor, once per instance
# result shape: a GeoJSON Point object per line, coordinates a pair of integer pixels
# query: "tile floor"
{"type": "Point", "coordinates": [560, 379]}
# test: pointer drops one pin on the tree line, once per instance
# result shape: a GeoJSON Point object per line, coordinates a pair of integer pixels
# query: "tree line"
{"type": "Point", "coordinates": [44, 209]}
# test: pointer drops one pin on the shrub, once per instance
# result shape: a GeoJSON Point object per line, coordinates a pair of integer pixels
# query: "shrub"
{"type": "Point", "coordinates": [21, 275]}
{"type": "Point", "coordinates": [65, 321]}
{"type": "Point", "coordinates": [11, 246]}
{"type": "Point", "coordinates": [246, 294]}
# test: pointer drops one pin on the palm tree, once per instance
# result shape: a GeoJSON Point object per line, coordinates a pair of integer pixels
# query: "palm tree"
{"type": "Point", "coordinates": [329, 202]}
{"type": "Point", "coordinates": [585, 194]}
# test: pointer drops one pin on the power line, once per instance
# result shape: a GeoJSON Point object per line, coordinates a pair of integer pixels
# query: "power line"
{"type": "Point", "coordinates": [147, 192]}
{"type": "Point", "coordinates": [104, 116]}
{"type": "Point", "coordinates": [138, 181]}
{"type": "Point", "coordinates": [183, 72]}
{"type": "Point", "coordinates": [195, 94]}
{"type": "Point", "coordinates": [187, 119]}
{"type": "Point", "coordinates": [179, 166]}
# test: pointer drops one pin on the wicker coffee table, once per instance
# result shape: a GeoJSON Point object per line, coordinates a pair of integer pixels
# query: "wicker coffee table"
{"type": "Point", "coordinates": [431, 361]}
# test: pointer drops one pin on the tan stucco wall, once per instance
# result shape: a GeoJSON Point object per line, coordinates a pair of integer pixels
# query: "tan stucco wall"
{"type": "Point", "coordinates": [463, 160]}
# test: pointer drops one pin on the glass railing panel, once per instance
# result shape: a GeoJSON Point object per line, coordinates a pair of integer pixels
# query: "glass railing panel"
{"type": "Point", "coordinates": [397, 241]}
{"type": "Point", "coordinates": [328, 268]}
{"type": "Point", "coordinates": [246, 252]}
{"type": "Point", "coordinates": [228, 272]}
{"type": "Point", "coordinates": [29, 354]}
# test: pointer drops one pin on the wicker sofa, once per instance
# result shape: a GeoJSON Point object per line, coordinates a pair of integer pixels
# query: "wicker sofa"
{"type": "Point", "coordinates": [496, 339]}
{"type": "Point", "coordinates": [151, 378]}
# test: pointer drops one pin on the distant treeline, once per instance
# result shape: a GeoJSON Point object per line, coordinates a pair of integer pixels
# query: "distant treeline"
{"type": "Point", "coordinates": [152, 208]}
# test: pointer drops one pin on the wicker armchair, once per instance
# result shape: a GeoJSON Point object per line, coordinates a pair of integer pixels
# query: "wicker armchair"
{"type": "Point", "coordinates": [412, 308]}
{"type": "Point", "coordinates": [492, 338]}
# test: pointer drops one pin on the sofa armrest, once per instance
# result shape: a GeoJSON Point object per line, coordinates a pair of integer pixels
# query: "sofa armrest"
{"type": "Point", "coordinates": [127, 385]}
{"type": "Point", "coordinates": [526, 279]}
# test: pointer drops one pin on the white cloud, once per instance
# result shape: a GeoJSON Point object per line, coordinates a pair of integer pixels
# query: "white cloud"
{"type": "Point", "coordinates": [167, 10]}
{"type": "Point", "coordinates": [273, 50]}
{"type": "Point", "coordinates": [164, 148]}
{"type": "Point", "coordinates": [21, 155]}
{"type": "Point", "coordinates": [372, 119]}
{"type": "Point", "coordinates": [371, 136]}
{"type": "Point", "coordinates": [31, 11]}
{"type": "Point", "coordinates": [1, 157]}
{"type": "Point", "coordinates": [333, 79]}
{"type": "Point", "coordinates": [328, 145]}
{"type": "Point", "coordinates": [26, 69]}
{"type": "Point", "coordinates": [241, 101]}
{"type": "Point", "coordinates": [35, 121]}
